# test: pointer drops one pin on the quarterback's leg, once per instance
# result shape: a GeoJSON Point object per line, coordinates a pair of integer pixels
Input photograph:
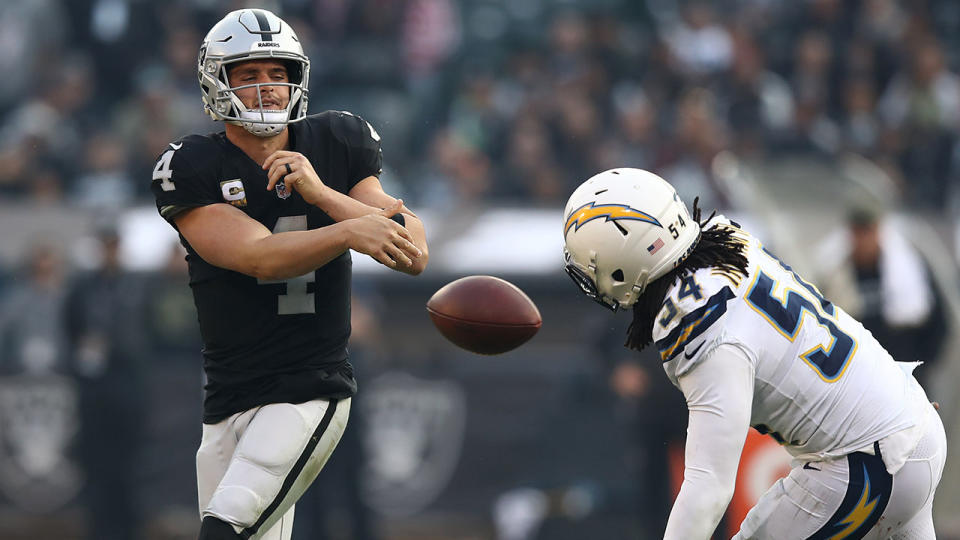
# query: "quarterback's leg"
{"type": "Point", "coordinates": [281, 451]}
{"type": "Point", "coordinates": [216, 450]}
{"type": "Point", "coordinates": [213, 458]}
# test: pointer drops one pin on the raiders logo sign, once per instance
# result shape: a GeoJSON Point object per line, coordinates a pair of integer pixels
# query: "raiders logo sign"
{"type": "Point", "coordinates": [414, 437]}
{"type": "Point", "coordinates": [38, 421]}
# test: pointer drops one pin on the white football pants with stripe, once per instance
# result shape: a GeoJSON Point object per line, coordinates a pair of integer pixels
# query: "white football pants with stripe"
{"type": "Point", "coordinates": [253, 466]}
{"type": "Point", "coordinates": [854, 497]}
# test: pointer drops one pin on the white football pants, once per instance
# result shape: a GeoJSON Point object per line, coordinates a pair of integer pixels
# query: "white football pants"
{"type": "Point", "coordinates": [253, 466]}
{"type": "Point", "coordinates": [840, 498]}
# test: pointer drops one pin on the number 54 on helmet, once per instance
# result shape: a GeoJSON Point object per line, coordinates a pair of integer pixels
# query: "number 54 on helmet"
{"type": "Point", "coordinates": [622, 229]}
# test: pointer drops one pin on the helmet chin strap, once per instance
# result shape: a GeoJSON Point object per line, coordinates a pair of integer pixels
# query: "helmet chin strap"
{"type": "Point", "coordinates": [639, 286]}
{"type": "Point", "coordinates": [264, 123]}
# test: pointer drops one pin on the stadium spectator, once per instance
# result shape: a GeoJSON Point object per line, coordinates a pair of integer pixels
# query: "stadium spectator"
{"type": "Point", "coordinates": [104, 184]}
{"type": "Point", "coordinates": [872, 271]}
{"type": "Point", "coordinates": [105, 331]}
{"type": "Point", "coordinates": [921, 109]}
{"type": "Point", "coordinates": [32, 338]}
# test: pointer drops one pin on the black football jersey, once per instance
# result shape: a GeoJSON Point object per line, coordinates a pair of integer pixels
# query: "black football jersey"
{"type": "Point", "coordinates": [269, 341]}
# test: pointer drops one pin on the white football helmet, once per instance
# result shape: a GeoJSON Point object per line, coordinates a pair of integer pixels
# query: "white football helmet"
{"type": "Point", "coordinates": [251, 34]}
{"type": "Point", "coordinates": [622, 229]}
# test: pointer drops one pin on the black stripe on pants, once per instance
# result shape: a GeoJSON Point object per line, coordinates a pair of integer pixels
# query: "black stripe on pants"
{"type": "Point", "coordinates": [294, 472]}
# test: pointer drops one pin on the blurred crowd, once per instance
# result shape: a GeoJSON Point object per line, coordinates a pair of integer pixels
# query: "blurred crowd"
{"type": "Point", "coordinates": [501, 100]}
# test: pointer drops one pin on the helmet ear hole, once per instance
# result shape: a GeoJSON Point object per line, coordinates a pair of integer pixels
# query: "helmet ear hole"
{"type": "Point", "coordinates": [617, 275]}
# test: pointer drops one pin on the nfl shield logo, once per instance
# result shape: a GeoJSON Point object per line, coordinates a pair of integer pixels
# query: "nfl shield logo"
{"type": "Point", "coordinates": [281, 189]}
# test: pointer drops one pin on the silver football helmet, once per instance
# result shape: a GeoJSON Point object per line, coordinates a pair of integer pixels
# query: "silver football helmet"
{"type": "Point", "coordinates": [624, 228]}
{"type": "Point", "coordinates": [252, 34]}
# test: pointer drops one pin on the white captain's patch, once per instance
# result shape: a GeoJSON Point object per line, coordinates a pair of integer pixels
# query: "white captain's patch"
{"type": "Point", "coordinates": [233, 192]}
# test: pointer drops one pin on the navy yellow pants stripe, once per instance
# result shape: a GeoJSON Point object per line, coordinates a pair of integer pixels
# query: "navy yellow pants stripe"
{"type": "Point", "coordinates": [868, 493]}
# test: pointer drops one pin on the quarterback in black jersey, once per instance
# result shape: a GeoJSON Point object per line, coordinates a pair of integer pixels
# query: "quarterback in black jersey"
{"type": "Point", "coordinates": [268, 211]}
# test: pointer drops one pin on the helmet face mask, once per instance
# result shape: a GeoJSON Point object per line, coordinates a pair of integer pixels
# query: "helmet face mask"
{"type": "Point", "coordinates": [252, 34]}
{"type": "Point", "coordinates": [587, 284]}
{"type": "Point", "coordinates": [623, 229]}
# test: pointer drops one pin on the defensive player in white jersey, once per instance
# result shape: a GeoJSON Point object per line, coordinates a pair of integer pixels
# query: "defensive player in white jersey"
{"type": "Point", "coordinates": [750, 343]}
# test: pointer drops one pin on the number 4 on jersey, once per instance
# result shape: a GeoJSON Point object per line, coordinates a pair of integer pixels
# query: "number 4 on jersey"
{"type": "Point", "coordinates": [163, 172]}
{"type": "Point", "coordinates": [297, 298]}
{"type": "Point", "coordinates": [689, 287]}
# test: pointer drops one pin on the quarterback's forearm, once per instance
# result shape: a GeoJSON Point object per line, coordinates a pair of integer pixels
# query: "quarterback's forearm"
{"type": "Point", "coordinates": [290, 254]}
{"type": "Point", "coordinates": [226, 237]}
{"type": "Point", "coordinates": [368, 192]}
{"type": "Point", "coordinates": [341, 207]}
{"type": "Point", "coordinates": [418, 234]}
{"type": "Point", "coordinates": [719, 394]}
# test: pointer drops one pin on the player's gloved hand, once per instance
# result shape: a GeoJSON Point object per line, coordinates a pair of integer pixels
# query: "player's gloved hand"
{"type": "Point", "coordinates": [297, 173]}
{"type": "Point", "coordinates": [382, 238]}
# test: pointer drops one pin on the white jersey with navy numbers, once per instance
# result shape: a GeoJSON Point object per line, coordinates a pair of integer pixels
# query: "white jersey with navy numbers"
{"type": "Point", "coordinates": [823, 386]}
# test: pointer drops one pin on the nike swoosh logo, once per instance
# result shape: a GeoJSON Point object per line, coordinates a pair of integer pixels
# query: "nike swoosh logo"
{"type": "Point", "coordinates": [810, 467]}
{"type": "Point", "coordinates": [695, 351]}
{"type": "Point", "coordinates": [176, 146]}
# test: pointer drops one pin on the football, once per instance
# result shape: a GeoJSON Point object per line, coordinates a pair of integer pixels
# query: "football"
{"type": "Point", "coordinates": [484, 314]}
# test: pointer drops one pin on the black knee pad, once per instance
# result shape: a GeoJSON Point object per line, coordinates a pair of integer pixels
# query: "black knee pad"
{"type": "Point", "coordinates": [215, 529]}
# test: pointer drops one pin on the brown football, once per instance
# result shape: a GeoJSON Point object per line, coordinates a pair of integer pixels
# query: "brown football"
{"type": "Point", "coordinates": [484, 314]}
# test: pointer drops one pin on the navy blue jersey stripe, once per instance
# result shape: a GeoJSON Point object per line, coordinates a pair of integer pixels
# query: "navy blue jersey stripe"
{"type": "Point", "coordinates": [693, 324]}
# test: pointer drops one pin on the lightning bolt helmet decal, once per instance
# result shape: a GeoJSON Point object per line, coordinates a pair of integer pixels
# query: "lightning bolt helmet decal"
{"type": "Point", "coordinates": [612, 212]}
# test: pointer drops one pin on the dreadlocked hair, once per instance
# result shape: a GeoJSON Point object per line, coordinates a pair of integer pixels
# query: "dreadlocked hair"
{"type": "Point", "coordinates": [717, 247]}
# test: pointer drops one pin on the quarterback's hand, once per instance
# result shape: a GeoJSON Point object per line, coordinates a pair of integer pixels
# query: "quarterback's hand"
{"type": "Point", "coordinates": [382, 238]}
{"type": "Point", "coordinates": [297, 173]}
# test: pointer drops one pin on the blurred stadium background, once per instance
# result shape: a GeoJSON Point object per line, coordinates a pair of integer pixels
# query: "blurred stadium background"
{"type": "Point", "coordinates": [828, 127]}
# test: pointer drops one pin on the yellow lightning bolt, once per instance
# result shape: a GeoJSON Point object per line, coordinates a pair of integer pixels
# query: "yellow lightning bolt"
{"type": "Point", "coordinates": [612, 212]}
{"type": "Point", "coordinates": [860, 512]}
